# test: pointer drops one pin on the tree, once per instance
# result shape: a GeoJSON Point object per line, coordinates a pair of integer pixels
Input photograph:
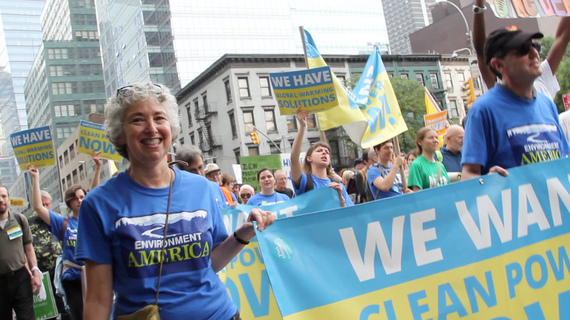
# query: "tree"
{"type": "Point", "coordinates": [410, 95]}
{"type": "Point", "coordinates": [562, 73]}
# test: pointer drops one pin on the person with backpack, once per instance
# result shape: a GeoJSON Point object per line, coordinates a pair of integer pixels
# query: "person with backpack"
{"type": "Point", "coordinates": [384, 177]}
{"type": "Point", "coordinates": [316, 170]}
{"type": "Point", "coordinates": [16, 282]}
{"type": "Point", "coordinates": [65, 229]}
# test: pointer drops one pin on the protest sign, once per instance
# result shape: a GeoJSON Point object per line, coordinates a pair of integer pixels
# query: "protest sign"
{"type": "Point", "coordinates": [44, 301]}
{"type": "Point", "coordinates": [33, 146]}
{"type": "Point", "coordinates": [437, 121]}
{"type": "Point", "coordinates": [245, 276]}
{"type": "Point", "coordinates": [529, 8]}
{"type": "Point", "coordinates": [488, 248]}
{"type": "Point", "coordinates": [250, 165]}
{"type": "Point", "coordinates": [92, 137]}
{"type": "Point", "coordinates": [312, 90]}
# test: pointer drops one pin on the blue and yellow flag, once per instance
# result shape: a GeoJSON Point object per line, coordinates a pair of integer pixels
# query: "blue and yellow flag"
{"type": "Point", "coordinates": [370, 114]}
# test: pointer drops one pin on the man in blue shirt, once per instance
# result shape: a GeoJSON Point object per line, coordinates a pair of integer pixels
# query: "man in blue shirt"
{"type": "Point", "coordinates": [512, 124]}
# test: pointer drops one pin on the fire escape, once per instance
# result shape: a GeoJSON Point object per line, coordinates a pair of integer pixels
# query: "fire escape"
{"type": "Point", "coordinates": [203, 116]}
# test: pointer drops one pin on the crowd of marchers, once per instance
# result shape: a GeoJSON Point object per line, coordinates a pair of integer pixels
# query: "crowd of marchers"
{"type": "Point", "coordinates": [153, 199]}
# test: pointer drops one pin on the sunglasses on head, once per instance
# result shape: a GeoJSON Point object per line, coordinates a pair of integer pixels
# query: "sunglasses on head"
{"type": "Point", "coordinates": [122, 91]}
{"type": "Point", "coordinates": [245, 195]}
{"type": "Point", "coordinates": [524, 49]}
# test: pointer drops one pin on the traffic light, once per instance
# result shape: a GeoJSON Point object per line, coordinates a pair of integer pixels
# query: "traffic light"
{"type": "Point", "coordinates": [470, 88]}
{"type": "Point", "coordinates": [254, 137]}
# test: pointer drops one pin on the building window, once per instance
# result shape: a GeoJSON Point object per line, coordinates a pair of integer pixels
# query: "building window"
{"type": "Point", "coordinates": [264, 86]}
{"type": "Point", "coordinates": [453, 109]}
{"type": "Point", "coordinates": [192, 139]}
{"type": "Point", "coordinates": [233, 123]}
{"type": "Point", "coordinates": [461, 78]}
{"type": "Point", "coordinates": [228, 90]}
{"type": "Point", "coordinates": [237, 154]}
{"type": "Point", "coordinates": [181, 141]}
{"type": "Point", "coordinates": [81, 172]}
{"type": "Point", "coordinates": [404, 76]}
{"type": "Point", "coordinates": [273, 149]}
{"type": "Point", "coordinates": [75, 176]}
{"type": "Point", "coordinates": [205, 102]}
{"type": "Point", "coordinates": [476, 84]}
{"type": "Point", "coordinates": [197, 110]}
{"type": "Point", "coordinates": [335, 153]}
{"type": "Point", "coordinates": [253, 151]}
{"type": "Point", "coordinates": [270, 124]}
{"type": "Point", "coordinates": [448, 81]}
{"type": "Point", "coordinates": [72, 151]}
{"type": "Point", "coordinates": [189, 114]}
{"type": "Point", "coordinates": [312, 121]}
{"type": "Point", "coordinates": [248, 121]}
{"type": "Point", "coordinates": [291, 123]}
{"type": "Point", "coordinates": [420, 79]}
{"type": "Point", "coordinates": [66, 157]}
{"type": "Point", "coordinates": [434, 82]}
{"type": "Point", "coordinates": [68, 179]}
{"type": "Point", "coordinates": [243, 88]}
{"type": "Point", "coordinates": [60, 161]}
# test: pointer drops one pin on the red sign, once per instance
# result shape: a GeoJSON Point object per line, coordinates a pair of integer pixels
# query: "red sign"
{"type": "Point", "coordinates": [566, 99]}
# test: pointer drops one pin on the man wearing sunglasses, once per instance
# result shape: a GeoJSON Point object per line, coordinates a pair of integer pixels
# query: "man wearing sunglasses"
{"type": "Point", "coordinates": [512, 124]}
{"type": "Point", "coordinates": [547, 82]}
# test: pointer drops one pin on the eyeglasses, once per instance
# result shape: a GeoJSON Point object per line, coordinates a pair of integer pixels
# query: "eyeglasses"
{"type": "Point", "coordinates": [122, 91]}
{"type": "Point", "coordinates": [245, 195]}
{"type": "Point", "coordinates": [524, 49]}
{"type": "Point", "coordinates": [76, 198]}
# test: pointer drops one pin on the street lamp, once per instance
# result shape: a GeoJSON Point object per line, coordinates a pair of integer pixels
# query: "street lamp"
{"type": "Point", "coordinates": [468, 33]}
{"type": "Point", "coordinates": [454, 54]}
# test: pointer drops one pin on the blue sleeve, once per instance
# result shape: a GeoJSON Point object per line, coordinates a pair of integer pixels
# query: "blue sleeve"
{"type": "Point", "coordinates": [564, 147]}
{"type": "Point", "coordinates": [302, 185]}
{"type": "Point", "coordinates": [56, 223]}
{"type": "Point", "coordinates": [475, 147]}
{"type": "Point", "coordinates": [92, 242]}
{"type": "Point", "coordinates": [218, 194]}
{"type": "Point", "coordinates": [371, 175]}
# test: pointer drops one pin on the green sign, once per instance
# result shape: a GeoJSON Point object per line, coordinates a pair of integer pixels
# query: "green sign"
{"type": "Point", "coordinates": [251, 164]}
{"type": "Point", "coordinates": [44, 302]}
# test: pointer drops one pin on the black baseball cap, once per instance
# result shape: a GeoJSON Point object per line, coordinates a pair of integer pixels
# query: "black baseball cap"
{"type": "Point", "coordinates": [500, 41]}
{"type": "Point", "coordinates": [358, 161]}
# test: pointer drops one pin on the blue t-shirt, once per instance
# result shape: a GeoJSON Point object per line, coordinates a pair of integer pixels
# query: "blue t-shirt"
{"type": "Point", "coordinates": [259, 199]}
{"type": "Point", "coordinates": [378, 170]}
{"type": "Point", "coordinates": [319, 183]}
{"type": "Point", "coordinates": [69, 240]}
{"type": "Point", "coordinates": [122, 223]}
{"type": "Point", "coordinates": [218, 194]}
{"type": "Point", "coordinates": [505, 130]}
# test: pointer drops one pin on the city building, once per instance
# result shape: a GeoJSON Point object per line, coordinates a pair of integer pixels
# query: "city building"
{"type": "Point", "coordinates": [65, 84]}
{"type": "Point", "coordinates": [446, 17]}
{"type": "Point", "coordinates": [20, 38]}
{"type": "Point", "coordinates": [404, 18]}
{"type": "Point", "coordinates": [137, 43]}
{"type": "Point", "coordinates": [456, 70]}
{"type": "Point", "coordinates": [8, 171]}
{"type": "Point", "coordinates": [221, 106]}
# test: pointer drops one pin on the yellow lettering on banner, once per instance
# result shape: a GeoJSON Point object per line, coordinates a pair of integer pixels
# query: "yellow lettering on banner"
{"type": "Point", "coordinates": [535, 277]}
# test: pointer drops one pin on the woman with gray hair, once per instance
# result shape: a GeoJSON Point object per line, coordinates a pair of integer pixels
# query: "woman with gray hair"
{"type": "Point", "coordinates": [154, 235]}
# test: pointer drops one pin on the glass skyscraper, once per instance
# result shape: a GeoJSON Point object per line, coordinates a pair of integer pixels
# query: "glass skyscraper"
{"type": "Point", "coordinates": [203, 31]}
{"type": "Point", "coordinates": [20, 39]}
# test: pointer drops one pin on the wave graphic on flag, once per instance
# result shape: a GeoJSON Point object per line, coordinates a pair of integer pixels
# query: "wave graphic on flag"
{"type": "Point", "coordinates": [370, 114]}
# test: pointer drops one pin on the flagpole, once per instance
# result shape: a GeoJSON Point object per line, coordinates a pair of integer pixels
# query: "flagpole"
{"type": "Point", "coordinates": [302, 31]}
{"type": "Point", "coordinates": [402, 167]}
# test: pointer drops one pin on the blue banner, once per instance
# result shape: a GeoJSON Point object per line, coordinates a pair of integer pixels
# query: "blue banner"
{"type": "Point", "coordinates": [488, 248]}
{"type": "Point", "coordinates": [245, 276]}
